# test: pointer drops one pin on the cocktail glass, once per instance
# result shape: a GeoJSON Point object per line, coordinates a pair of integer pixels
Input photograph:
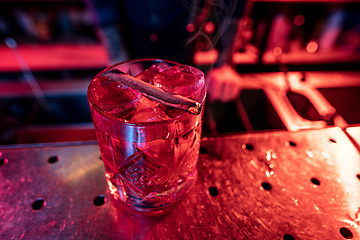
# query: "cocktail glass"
{"type": "Point", "coordinates": [148, 141]}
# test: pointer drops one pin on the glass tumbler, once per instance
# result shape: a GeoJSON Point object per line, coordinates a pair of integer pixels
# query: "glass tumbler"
{"type": "Point", "coordinates": [149, 147]}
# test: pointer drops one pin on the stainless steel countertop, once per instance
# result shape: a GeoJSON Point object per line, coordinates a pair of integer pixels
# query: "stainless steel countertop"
{"type": "Point", "coordinates": [266, 185]}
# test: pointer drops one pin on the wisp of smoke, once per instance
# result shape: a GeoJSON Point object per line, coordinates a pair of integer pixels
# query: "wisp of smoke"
{"type": "Point", "coordinates": [219, 12]}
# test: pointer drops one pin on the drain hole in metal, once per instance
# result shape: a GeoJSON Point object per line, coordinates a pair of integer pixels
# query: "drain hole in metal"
{"type": "Point", "coordinates": [248, 146]}
{"type": "Point", "coordinates": [213, 191]}
{"type": "Point", "coordinates": [288, 237]}
{"type": "Point", "coordinates": [266, 186]}
{"type": "Point", "coordinates": [53, 159]}
{"type": "Point", "coordinates": [290, 143]}
{"type": "Point", "coordinates": [332, 140]}
{"type": "Point", "coordinates": [38, 204]}
{"type": "Point", "coordinates": [346, 233]}
{"type": "Point", "coordinates": [315, 181]}
{"type": "Point", "coordinates": [99, 200]}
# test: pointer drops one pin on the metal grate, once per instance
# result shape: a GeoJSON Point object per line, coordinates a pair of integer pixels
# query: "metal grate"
{"type": "Point", "coordinates": [269, 185]}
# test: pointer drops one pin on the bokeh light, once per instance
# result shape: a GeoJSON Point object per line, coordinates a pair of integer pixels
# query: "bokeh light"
{"type": "Point", "coordinates": [277, 51]}
{"type": "Point", "coordinates": [190, 27]}
{"type": "Point", "coordinates": [312, 47]}
{"type": "Point", "coordinates": [248, 23]}
{"type": "Point", "coordinates": [209, 27]}
{"type": "Point", "coordinates": [299, 20]}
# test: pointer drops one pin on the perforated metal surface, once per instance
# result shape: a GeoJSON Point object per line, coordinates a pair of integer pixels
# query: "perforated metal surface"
{"type": "Point", "coordinates": [271, 185]}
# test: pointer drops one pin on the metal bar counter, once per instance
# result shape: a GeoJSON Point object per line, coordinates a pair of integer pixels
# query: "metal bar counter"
{"type": "Point", "coordinates": [267, 185]}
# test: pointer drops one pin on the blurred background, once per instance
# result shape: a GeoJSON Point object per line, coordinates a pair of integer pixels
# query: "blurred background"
{"type": "Point", "coordinates": [299, 61]}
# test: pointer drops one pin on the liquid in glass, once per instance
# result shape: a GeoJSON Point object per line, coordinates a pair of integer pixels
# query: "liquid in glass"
{"type": "Point", "coordinates": [149, 150]}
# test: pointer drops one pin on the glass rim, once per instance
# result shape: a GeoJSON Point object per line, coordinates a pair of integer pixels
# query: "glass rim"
{"type": "Point", "coordinates": [183, 116]}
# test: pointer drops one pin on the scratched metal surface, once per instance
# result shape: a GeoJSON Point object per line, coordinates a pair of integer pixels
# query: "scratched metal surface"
{"type": "Point", "coordinates": [354, 133]}
{"type": "Point", "coordinates": [271, 185]}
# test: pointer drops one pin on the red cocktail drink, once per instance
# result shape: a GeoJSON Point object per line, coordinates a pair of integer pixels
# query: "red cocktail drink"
{"type": "Point", "coordinates": [149, 147]}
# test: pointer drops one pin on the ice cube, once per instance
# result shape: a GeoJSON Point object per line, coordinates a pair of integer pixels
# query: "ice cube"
{"type": "Point", "coordinates": [149, 115]}
{"type": "Point", "coordinates": [145, 102]}
{"type": "Point", "coordinates": [148, 74]}
{"type": "Point", "coordinates": [181, 80]}
{"type": "Point", "coordinates": [172, 112]}
{"type": "Point", "coordinates": [114, 98]}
